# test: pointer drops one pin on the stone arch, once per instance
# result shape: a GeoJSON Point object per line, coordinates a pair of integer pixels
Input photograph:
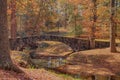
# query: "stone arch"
{"type": "Point", "coordinates": [75, 43]}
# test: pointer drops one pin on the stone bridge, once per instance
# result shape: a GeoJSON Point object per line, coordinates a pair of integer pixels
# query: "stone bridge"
{"type": "Point", "coordinates": [76, 44]}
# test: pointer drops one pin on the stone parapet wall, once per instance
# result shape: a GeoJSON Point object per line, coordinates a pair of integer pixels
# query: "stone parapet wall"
{"type": "Point", "coordinates": [76, 44]}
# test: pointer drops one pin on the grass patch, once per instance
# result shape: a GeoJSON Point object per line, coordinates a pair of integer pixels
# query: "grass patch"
{"type": "Point", "coordinates": [65, 76]}
{"type": "Point", "coordinates": [68, 77]}
{"type": "Point", "coordinates": [107, 40]}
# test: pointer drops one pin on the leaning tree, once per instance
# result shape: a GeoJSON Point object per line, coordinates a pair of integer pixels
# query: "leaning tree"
{"type": "Point", "coordinates": [5, 59]}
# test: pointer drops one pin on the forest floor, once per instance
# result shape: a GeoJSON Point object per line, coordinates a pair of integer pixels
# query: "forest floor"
{"type": "Point", "coordinates": [32, 74]}
{"type": "Point", "coordinates": [93, 62]}
{"type": "Point", "coordinates": [83, 63]}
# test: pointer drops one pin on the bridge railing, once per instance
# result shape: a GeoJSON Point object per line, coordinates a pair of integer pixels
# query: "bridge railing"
{"type": "Point", "coordinates": [76, 44]}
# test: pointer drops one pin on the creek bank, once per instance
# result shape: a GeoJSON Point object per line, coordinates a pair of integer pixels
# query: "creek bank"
{"type": "Point", "coordinates": [93, 62]}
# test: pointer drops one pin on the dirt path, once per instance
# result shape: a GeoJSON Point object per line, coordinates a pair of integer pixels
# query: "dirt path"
{"type": "Point", "coordinates": [29, 74]}
{"type": "Point", "coordinates": [41, 74]}
{"type": "Point", "coordinates": [93, 62]}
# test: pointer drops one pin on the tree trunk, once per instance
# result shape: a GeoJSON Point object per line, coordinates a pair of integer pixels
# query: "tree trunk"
{"type": "Point", "coordinates": [5, 59]}
{"type": "Point", "coordinates": [66, 16]}
{"type": "Point", "coordinates": [75, 21]}
{"type": "Point", "coordinates": [75, 26]}
{"type": "Point", "coordinates": [13, 23]}
{"type": "Point", "coordinates": [112, 28]}
{"type": "Point", "coordinates": [92, 35]}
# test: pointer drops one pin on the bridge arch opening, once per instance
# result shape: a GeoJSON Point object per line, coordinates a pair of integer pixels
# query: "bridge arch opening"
{"type": "Point", "coordinates": [54, 46]}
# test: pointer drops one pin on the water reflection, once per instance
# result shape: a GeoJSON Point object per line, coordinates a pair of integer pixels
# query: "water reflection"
{"type": "Point", "coordinates": [57, 61]}
{"type": "Point", "coordinates": [53, 63]}
{"type": "Point", "coordinates": [49, 62]}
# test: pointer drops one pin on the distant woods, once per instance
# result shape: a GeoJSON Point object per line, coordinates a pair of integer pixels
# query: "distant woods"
{"type": "Point", "coordinates": [98, 18]}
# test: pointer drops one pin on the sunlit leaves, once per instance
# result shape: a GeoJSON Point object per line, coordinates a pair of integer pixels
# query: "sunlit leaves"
{"type": "Point", "coordinates": [38, 12]}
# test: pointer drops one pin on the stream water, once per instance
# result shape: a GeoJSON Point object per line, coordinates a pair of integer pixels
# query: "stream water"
{"type": "Point", "coordinates": [51, 62]}
{"type": "Point", "coordinates": [54, 63]}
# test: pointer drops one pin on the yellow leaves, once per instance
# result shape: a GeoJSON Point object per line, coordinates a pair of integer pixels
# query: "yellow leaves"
{"type": "Point", "coordinates": [101, 10]}
{"type": "Point", "coordinates": [75, 2]}
{"type": "Point", "coordinates": [75, 11]}
{"type": "Point", "coordinates": [62, 1]}
{"type": "Point", "coordinates": [101, 1]}
{"type": "Point", "coordinates": [54, 19]}
{"type": "Point", "coordinates": [9, 11]}
{"type": "Point", "coordinates": [87, 13]}
{"type": "Point", "coordinates": [23, 5]}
